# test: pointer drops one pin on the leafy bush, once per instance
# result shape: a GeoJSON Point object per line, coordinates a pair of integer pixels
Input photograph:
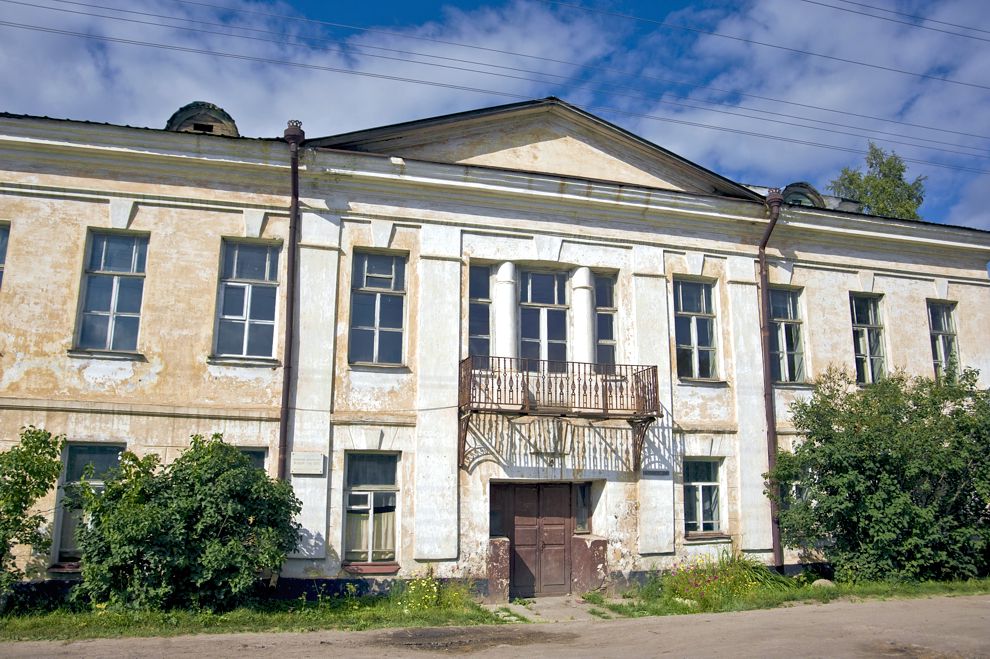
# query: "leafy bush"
{"type": "Point", "coordinates": [28, 471]}
{"type": "Point", "coordinates": [713, 584]}
{"type": "Point", "coordinates": [892, 480]}
{"type": "Point", "coordinates": [196, 534]}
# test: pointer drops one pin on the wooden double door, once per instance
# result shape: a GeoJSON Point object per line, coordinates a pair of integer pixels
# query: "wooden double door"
{"type": "Point", "coordinates": [538, 521]}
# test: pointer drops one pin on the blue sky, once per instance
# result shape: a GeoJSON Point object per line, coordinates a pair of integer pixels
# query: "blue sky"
{"type": "Point", "coordinates": [711, 99]}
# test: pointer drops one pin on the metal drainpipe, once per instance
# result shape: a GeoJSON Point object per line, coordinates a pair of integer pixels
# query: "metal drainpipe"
{"type": "Point", "coordinates": [774, 201]}
{"type": "Point", "coordinates": [294, 135]}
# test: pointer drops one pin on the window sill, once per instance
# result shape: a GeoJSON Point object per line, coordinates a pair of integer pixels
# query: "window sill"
{"type": "Point", "coordinates": [113, 355]}
{"type": "Point", "coordinates": [231, 360]}
{"type": "Point", "coordinates": [703, 382]}
{"type": "Point", "coordinates": [68, 567]}
{"type": "Point", "coordinates": [793, 385]}
{"type": "Point", "coordinates": [707, 538]}
{"type": "Point", "coordinates": [370, 367]}
{"type": "Point", "coordinates": [371, 568]}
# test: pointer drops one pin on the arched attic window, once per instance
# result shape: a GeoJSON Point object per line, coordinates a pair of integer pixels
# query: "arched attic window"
{"type": "Point", "coordinates": [204, 118]}
{"type": "Point", "coordinates": [803, 194]}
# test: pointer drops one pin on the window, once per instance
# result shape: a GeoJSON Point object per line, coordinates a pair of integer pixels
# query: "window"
{"type": "Point", "coordinates": [257, 456]}
{"type": "Point", "coordinates": [377, 300]}
{"type": "Point", "coordinates": [605, 319]}
{"type": "Point", "coordinates": [694, 329]}
{"type": "Point", "coordinates": [4, 237]}
{"type": "Point", "coordinates": [112, 292]}
{"type": "Point", "coordinates": [543, 320]}
{"type": "Point", "coordinates": [479, 315]}
{"type": "Point", "coordinates": [248, 294]}
{"type": "Point", "coordinates": [103, 458]}
{"type": "Point", "coordinates": [943, 333]}
{"type": "Point", "coordinates": [867, 338]}
{"type": "Point", "coordinates": [582, 507]}
{"type": "Point", "coordinates": [786, 355]}
{"type": "Point", "coordinates": [701, 496]}
{"type": "Point", "coordinates": [369, 526]}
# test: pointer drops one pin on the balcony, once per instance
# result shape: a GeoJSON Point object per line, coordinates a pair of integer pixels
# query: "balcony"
{"type": "Point", "coordinates": [508, 385]}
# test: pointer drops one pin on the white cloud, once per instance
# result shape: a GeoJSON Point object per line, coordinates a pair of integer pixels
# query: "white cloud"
{"type": "Point", "coordinates": [90, 79]}
{"type": "Point", "coordinates": [79, 78]}
{"type": "Point", "coordinates": [789, 76]}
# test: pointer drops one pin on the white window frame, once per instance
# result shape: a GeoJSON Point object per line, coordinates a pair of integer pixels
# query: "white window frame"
{"type": "Point", "coordinates": [272, 264]}
{"type": "Point", "coordinates": [693, 316]}
{"type": "Point", "coordinates": [525, 295]}
{"type": "Point", "coordinates": [861, 339]}
{"type": "Point", "coordinates": [612, 313]}
{"type": "Point", "coordinates": [137, 271]}
{"type": "Point", "coordinates": [695, 490]}
{"type": "Point", "coordinates": [369, 491]}
{"type": "Point", "coordinates": [475, 301]}
{"type": "Point", "coordinates": [61, 511]}
{"type": "Point", "coordinates": [939, 338]}
{"type": "Point", "coordinates": [359, 287]}
{"type": "Point", "coordinates": [779, 326]}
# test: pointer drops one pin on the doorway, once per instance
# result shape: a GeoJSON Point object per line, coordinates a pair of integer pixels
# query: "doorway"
{"type": "Point", "coordinates": [539, 522]}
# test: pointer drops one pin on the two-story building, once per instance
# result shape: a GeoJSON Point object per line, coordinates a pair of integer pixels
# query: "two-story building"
{"type": "Point", "coordinates": [524, 345]}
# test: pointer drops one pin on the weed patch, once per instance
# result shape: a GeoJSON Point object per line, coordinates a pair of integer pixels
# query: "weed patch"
{"type": "Point", "coordinates": [738, 583]}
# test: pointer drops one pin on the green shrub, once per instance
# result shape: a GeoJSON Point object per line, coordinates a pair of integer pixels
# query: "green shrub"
{"type": "Point", "coordinates": [196, 534]}
{"type": "Point", "coordinates": [892, 480]}
{"type": "Point", "coordinates": [28, 471]}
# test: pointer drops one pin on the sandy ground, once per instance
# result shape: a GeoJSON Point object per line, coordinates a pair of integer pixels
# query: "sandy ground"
{"type": "Point", "coordinates": [935, 627]}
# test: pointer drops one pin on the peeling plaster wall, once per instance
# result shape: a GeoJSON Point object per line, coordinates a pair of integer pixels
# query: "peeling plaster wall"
{"type": "Point", "coordinates": [188, 192]}
{"type": "Point", "coordinates": [52, 197]}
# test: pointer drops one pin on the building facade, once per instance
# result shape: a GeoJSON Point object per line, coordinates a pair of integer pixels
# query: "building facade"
{"type": "Point", "coordinates": [525, 344]}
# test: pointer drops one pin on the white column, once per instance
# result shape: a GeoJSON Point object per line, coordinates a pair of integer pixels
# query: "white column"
{"type": "Point", "coordinates": [313, 377]}
{"type": "Point", "coordinates": [583, 315]}
{"type": "Point", "coordinates": [652, 348]}
{"type": "Point", "coordinates": [744, 328]}
{"type": "Point", "coordinates": [505, 307]}
{"type": "Point", "coordinates": [438, 348]}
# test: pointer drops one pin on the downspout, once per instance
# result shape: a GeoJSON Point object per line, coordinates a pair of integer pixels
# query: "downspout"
{"type": "Point", "coordinates": [774, 201]}
{"type": "Point", "coordinates": [294, 135]}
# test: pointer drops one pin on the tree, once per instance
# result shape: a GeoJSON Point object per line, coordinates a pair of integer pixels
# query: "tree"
{"type": "Point", "coordinates": [891, 481]}
{"type": "Point", "coordinates": [883, 189]}
{"type": "Point", "coordinates": [28, 471]}
{"type": "Point", "coordinates": [196, 534]}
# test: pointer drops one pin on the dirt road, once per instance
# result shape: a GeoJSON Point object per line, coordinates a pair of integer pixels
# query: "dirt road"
{"type": "Point", "coordinates": [936, 627]}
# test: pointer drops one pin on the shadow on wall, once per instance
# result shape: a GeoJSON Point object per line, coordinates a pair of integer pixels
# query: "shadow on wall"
{"type": "Point", "coordinates": [661, 447]}
{"type": "Point", "coordinates": [313, 545]}
{"type": "Point", "coordinates": [531, 445]}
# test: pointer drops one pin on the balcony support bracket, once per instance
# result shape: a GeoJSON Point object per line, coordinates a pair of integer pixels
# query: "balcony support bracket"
{"type": "Point", "coordinates": [640, 426]}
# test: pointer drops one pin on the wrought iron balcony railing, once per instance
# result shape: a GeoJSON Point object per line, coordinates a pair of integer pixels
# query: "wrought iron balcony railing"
{"type": "Point", "coordinates": [540, 387]}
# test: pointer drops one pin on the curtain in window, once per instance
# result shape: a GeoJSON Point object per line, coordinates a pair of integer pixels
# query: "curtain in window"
{"type": "Point", "coordinates": [384, 540]}
{"type": "Point", "coordinates": [356, 539]}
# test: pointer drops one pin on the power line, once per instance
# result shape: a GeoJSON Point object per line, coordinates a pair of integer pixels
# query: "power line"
{"type": "Point", "coordinates": [799, 51]}
{"type": "Point", "coordinates": [635, 92]}
{"type": "Point", "coordinates": [895, 20]}
{"type": "Point", "coordinates": [605, 69]}
{"type": "Point", "coordinates": [517, 69]}
{"type": "Point", "coordinates": [918, 18]}
{"type": "Point", "coordinates": [434, 83]}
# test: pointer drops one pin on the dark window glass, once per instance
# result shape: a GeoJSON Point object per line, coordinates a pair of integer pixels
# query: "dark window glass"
{"type": "Point", "coordinates": [371, 469]}
{"type": "Point", "coordinates": [377, 309]}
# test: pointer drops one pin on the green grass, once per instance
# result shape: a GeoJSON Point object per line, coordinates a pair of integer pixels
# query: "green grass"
{"type": "Point", "coordinates": [741, 584]}
{"type": "Point", "coordinates": [352, 613]}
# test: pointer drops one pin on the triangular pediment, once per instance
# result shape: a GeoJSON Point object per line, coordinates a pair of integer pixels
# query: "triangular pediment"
{"type": "Point", "coordinates": [547, 136]}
